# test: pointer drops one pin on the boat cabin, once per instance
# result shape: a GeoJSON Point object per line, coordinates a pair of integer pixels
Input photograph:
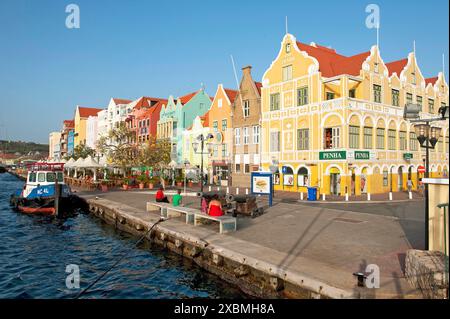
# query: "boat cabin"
{"type": "Point", "coordinates": [42, 174]}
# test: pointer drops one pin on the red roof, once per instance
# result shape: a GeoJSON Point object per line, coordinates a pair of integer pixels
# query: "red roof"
{"type": "Point", "coordinates": [146, 101]}
{"type": "Point", "coordinates": [431, 80]}
{"type": "Point", "coordinates": [88, 111]}
{"type": "Point", "coordinates": [121, 101]}
{"type": "Point", "coordinates": [231, 94]}
{"type": "Point", "coordinates": [186, 98]}
{"type": "Point", "coordinates": [396, 66]}
{"type": "Point", "coordinates": [332, 63]}
{"type": "Point", "coordinates": [258, 86]}
{"type": "Point", "coordinates": [69, 123]}
{"type": "Point", "coordinates": [205, 119]}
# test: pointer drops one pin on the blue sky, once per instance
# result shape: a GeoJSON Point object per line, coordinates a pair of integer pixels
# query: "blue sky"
{"type": "Point", "coordinates": [127, 49]}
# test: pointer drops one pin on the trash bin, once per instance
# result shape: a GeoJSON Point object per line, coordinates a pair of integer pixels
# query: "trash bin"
{"type": "Point", "coordinates": [312, 193]}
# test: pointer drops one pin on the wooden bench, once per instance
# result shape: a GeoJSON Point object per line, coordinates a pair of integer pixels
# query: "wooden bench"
{"type": "Point", "coordinates": [227, 223]}
{"type": "Point", "coordinates": [161, 207]}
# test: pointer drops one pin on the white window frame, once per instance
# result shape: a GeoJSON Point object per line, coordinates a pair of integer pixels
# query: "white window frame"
{"type": "Point", "coordinates": [237, 136]}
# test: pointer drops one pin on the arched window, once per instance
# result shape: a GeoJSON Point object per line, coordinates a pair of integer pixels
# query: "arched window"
{"type": "Point", "coordinates": [288, 176]}
{"type": "Point", "coordinates": [302, 177]}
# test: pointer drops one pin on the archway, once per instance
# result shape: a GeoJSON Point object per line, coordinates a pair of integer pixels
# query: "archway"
{"type": "Point", "coordinates": [335, 181]}
{"type": "Point", "coordinates": [302, 177]}
{"type": "Point", "coordinates": [400, 179]}
{"type": "Point", "coordinates": [352, 180]}
{"type": "Point", "coordinates": [288, 176]}
{"type": "Point", "coordinates": [363, 181]}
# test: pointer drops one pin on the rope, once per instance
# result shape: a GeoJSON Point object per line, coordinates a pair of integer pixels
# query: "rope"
{"type": "Point", "coordinates": [118, 261]}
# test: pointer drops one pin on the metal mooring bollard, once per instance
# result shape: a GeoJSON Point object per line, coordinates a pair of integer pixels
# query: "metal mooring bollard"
{"type": "Point", "coordinates": [360, 277]}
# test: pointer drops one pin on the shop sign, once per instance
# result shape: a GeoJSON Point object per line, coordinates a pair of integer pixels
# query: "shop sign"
{"type": "Point", "coordinates": [362, 155]}
{"type": "Point", "coordinates": [332, 155]}
{"type": "Point", "coordinates": [407, 156]}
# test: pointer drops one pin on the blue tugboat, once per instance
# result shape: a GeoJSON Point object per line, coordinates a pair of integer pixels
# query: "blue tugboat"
{"type": "Point", "coordinates": [39, 192]}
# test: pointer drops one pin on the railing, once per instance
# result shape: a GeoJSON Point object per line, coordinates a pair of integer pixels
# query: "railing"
{"type": "Point", "coordinates": [445, 207]}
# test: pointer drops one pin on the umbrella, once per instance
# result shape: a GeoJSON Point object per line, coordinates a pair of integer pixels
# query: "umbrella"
{"type": "Point", "coordinates": [69, 163]}
{"type": "Point", "coordinates": [89, 162]}
{"type": "Point", "coordinates": [77, 164]}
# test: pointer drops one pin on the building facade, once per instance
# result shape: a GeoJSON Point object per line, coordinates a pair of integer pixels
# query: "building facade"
{"type": "Point", "coordinates": [179, 114]}
{"type": "Point", "coordinates": [80, 120]}
{"type": "Point", "coordinates": [222, 129]}
{"type": "Point", "coordinates": [68, 125]}
{"type": "Point", "coordinates": [117, 111]}
{"type": "Point", "coordinates": [194, 157]}
{"type": "Point", "coordinates": [336, 122]}
{"type": "Point", "coordinates": [54, 149]}
{"type": "Point", "coordinates": [91, 131]}
{"type": "Point", "coordinates": [144, 117]}
{"type": "Point", "coordinates": [102, 124]}
{"type": "Point", "coordinates": [246, 117]}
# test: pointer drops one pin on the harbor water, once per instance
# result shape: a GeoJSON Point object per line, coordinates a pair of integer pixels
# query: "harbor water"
{"type": "Point", "coordinates": [35, 251]}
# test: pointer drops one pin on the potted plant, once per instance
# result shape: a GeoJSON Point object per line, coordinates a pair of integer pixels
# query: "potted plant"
{"type": "Point", "coordinates": [126, 183]}
{"type": "Point", "coordinates": [151, 182]}
{"type": "Point", "coordinates": [190, 183]}
{"type": "Point", "coordinates": [104, 186]}
{"type": "Point", "coordinates": [179, 181]}
{"type": "Point", "coordinates": [142, 180]}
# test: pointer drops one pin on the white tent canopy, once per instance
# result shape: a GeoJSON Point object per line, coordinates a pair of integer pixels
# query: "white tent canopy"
{"type": "Point", "coordinates": [69, 163]}
{"type": "Point", "coordinates": [89, 162]}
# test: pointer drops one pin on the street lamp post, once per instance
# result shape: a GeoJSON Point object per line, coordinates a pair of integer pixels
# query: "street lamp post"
{"type": "Point", "coordinates": [428, 137]}
{"type": "Point", "coordinates": [186, 163]}
{"type": "Point", "coordinates": [195, 145]}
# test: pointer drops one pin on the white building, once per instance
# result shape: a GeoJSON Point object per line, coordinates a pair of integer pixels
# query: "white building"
{"type": "Point", "coordinates": [54, 145]}
{"type": "Point", "coordinates": [91, 131]}
{"type": "Point", "coordinates": [102, 123]}
{"type": "Point", "coordinates": [118, 111]}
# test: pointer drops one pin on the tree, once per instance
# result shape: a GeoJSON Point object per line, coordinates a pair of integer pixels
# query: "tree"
{"type": "Point", "coordinates": [155, 153]}
{"type": "Point", "coordinates": [82, 151]}
{"type": "Point", "coordinates": [118, 148]}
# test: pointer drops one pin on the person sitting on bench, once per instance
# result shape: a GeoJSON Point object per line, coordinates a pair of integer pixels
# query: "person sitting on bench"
{"type": "Point", "coordinates": [160, 197]}
{"type": "Point", "coordinates": [215, 206]}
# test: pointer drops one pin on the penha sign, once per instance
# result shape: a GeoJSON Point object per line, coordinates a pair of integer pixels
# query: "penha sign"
{"type": "Point", "coordinates": [332, 155]}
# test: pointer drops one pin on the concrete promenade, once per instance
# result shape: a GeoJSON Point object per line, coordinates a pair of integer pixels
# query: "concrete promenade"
{"type": "Point", "coordinates": [321, 243]}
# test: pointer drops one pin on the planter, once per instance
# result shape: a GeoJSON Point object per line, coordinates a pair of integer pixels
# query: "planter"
{"type": "Point", "coordinates": [141, 185]}
{"type": "Point", "coordinates": [125, 186]}
{"type": "Point", "coordinates": [179, 184]}
{"type": "Point", "coordinates": [190, 184]}
{"type": "Point", "coordinates": [150, 185]}
{"type": "Point", "coordinates": [104, 188]}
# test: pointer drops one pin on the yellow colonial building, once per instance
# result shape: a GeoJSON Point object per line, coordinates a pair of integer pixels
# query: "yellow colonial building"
{"type": "Point", "coordinates": [336, 122]}
{"type": "Point", "coordinates": [80, 119]}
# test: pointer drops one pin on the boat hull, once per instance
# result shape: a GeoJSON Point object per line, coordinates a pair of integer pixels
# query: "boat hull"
{"type": "Point", "coordinates": [42, 206]}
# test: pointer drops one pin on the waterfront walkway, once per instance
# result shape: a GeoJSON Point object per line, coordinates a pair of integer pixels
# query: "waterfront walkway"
{"type": "Point", "coordinates": [324, 244]}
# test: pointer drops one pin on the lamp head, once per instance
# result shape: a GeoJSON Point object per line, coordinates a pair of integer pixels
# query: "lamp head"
{"type": "Point", "coordinates": [443, 110]}
{"type": "Point", "coordinates": [411, 111]}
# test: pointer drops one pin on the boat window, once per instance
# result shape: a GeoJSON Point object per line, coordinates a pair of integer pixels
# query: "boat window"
{"type": "Point", "coordinates": [60, 177]}
{"type": "Point", "coordinates": [50, 177]}
{"type": "Point", "coordinates": [32, 177]}
{"type": "Point", "coordinates": [41, 177]}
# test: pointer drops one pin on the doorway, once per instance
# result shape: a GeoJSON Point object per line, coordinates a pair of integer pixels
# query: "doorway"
{"type": "Point", "coordinates": [363, 181]}
{"type": "Point", "coordinates": [400, 179]}
{"type": "Point", "coordinates": [335, 181]}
